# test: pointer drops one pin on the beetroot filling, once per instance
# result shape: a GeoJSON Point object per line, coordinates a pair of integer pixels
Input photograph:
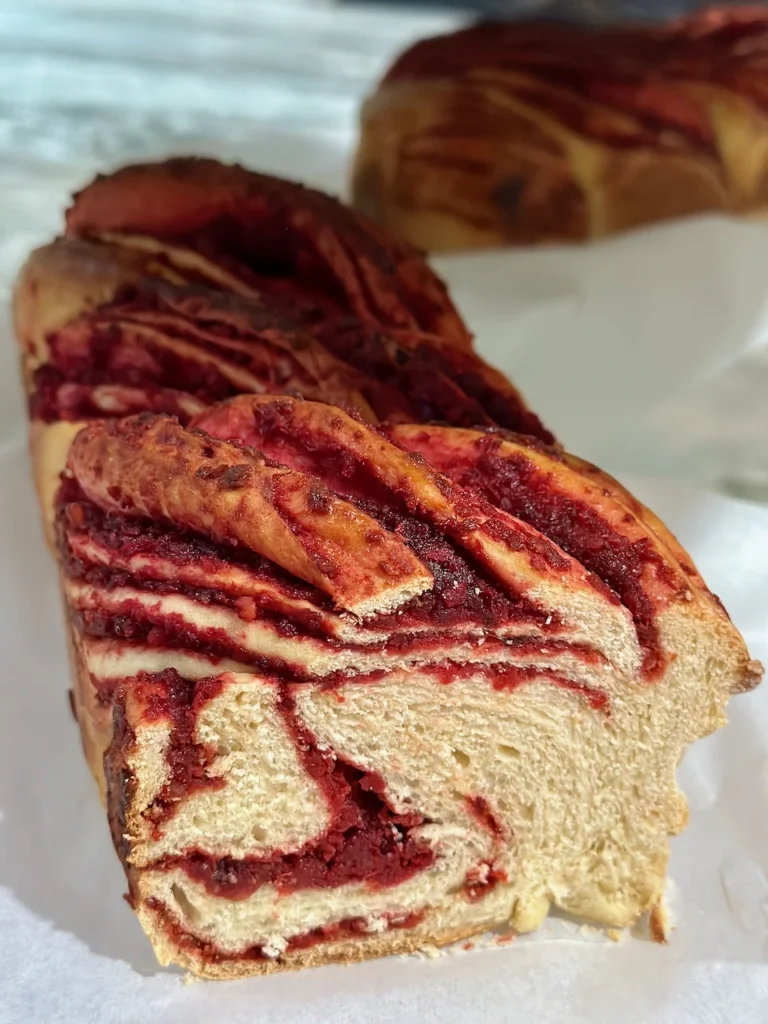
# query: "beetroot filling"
{"type": "Point", "coordinates": [132, 536]}
{"type": "Point", "coordinates": [423, 384]}
{"type": "Point", "coordinates": [462, 588]}
{"type": "Point", "coordinates": [482, 880]}
{"type": "Point", "coordinates": [421, 374]}
{"type": "Point", "coordinates": [514, 484]}
{"type": "Point", "coordinates": [461, 595]}
{"type": "Point", "coordinates": [98, 353]}
{"type": "Point", "coordinates": [267, 253]}
{"type": "Point", "coordinates": [441, 386]}
{"type": "Point", "coordinates": [366, 841]}
{"type": "Point", "coordinates": [174, 634]}
{"type": "Point", "coordinates": [461, 592]}
{"type": "Point", "coordinates": [188, 761]}
{"type": "Point", "coordinates": [481, 811]}
{"type": "Point", "coordinates": [349, 928]}
{"type": "Point", "coordinates": [59, 397]}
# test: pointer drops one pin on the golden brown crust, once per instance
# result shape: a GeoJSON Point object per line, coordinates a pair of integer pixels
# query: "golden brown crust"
{"type": "Point", "coordinates": [94, 717]}
{"type": "Point", "coordinates": [149, 465]}
{"type": "Point", "coordinates": [49, 445]}
{"type": "Point", "coordinates": [59, 282]}
{"type": "Point", "coordinates": [430, 166]}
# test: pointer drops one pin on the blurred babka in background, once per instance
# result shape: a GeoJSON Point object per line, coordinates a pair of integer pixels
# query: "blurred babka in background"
{"type": "Point", "coordinates": [518, 133]}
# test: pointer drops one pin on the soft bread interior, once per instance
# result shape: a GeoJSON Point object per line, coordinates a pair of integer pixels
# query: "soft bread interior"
{"type": "Point", "coordinates": [581, 798]}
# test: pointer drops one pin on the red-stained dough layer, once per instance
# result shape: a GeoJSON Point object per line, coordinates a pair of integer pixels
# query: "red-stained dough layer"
{"type": "Point", "coordinates": [365, 842]}
{"type": "Point", "coordinates": [173, 349]}
{"type": "Point", "coordinates": [350, 928]}
{"type": "Point", "coordinates": [512, 482]}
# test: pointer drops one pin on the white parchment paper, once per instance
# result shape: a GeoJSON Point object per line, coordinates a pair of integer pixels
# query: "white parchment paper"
{"type": "Point", "coordinates": [609, 342]}
{"type": "Point", "coordinates": [647, 352]}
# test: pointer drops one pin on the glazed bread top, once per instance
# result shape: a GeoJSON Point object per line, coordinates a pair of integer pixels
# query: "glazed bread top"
{"type": "Point", "coordinates": [634, 67]}
{"type": "Point", "coordinates": [270, 234]}
{"type": "Point", "coordinates": [435, 546]}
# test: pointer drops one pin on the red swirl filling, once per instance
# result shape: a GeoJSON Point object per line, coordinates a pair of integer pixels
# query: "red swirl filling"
{"type": "Point", "coordinates": [348, 928]}
{"type": "Point", "coordinates": [366, 840]}
{"type": "Point", "coordinates": [514, 484]}
{"type": "Point", "coordinates": [462, 592]}
{"type": "Point", "coordinates": [267, 338]}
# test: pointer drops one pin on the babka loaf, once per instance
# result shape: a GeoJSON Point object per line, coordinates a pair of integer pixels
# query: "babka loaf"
{"type": "Point", "coordinates": [204, 304]}
{"type": "Point", "coordinates": [534, 132]}
{"type": "Point", "coordinates": [360, 706]}
{"type": "Point", "coordinates": [350, 681]}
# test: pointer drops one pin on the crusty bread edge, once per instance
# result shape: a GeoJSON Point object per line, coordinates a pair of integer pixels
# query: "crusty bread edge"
{"type": "Point", "coordinates": [345, 951]}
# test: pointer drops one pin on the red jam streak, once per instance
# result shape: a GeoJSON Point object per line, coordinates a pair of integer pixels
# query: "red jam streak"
{"type": "Point", "coordinates": [98, 351]}
{"type": "Point", "coordinates": [442, 383]}
{"type": "Point", "coordinates": [366, 841]}
{"type": "Point", "coordinates": [482, 880]}
{"type": "Point", "coordinates": [462, 593]}
{"type": "Point", "coordinates": [480, 809]}
{"type": "Point", "coordinates": [510, 677]}
{"type": "Point", "coordinates": [271, 428]}
{"type": "Point", "coordinates": [57, 397]}
{"type": "Point", "coordinates": [266, 337]}
{"type": "Point", "coordinates": [349, 928]}
{"type": "Point", "coordinates": [131, 536]}
{"type": "Point", "coordinates": [173, 633]}
{"type": "Point", "coordinates": [514, 484]}
{"type": "Point", "coordinates": [266, 253]}
{"type": "Point", "coordinates": [168, 696]}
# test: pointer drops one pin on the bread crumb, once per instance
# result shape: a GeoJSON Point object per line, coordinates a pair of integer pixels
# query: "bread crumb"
{"type": "Point", "coordinates": [376, 923]}
{"type": "Point", "coordinates": [274, 947]}
{"type": "Point", "coordinates": [658, 924]}
{"type": "Point", "coordinates": [615, 934]}
{"type": "Point", "coordinates": [430, 952]}
{"type": "Point", "coordinates": [589, 929]}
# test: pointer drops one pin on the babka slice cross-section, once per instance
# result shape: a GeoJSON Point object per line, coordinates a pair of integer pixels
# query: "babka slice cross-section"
{"type": "Point", "coordinates": [359, 705]}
